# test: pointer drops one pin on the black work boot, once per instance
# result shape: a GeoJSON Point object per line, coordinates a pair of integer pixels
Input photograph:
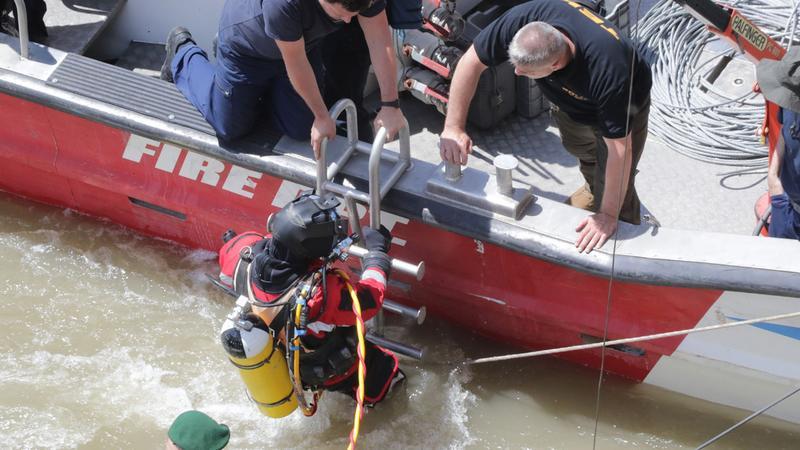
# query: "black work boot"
{"type": "Point", "coordinates": [177, 37]}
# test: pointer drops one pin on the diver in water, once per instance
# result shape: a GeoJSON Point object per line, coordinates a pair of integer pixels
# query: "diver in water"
{"type": "Point", "coordinates": [290, 266]}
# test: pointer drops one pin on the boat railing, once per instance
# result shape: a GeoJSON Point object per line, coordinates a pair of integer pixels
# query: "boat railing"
{"type": "Point", "coordinates": [22, 20]}
{"type": "Point", "coordinates": [377, 190]}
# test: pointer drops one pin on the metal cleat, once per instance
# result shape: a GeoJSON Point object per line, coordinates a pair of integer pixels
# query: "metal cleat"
{"type": "Point", "coordinates": [483, 192]}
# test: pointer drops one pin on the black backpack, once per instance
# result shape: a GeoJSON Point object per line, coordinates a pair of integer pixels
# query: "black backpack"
{"type": "Point", "coordinates": [37, 31]}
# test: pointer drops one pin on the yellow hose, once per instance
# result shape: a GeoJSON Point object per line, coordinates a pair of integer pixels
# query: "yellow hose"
{"type": "Point", "coordinates": [308, 410]}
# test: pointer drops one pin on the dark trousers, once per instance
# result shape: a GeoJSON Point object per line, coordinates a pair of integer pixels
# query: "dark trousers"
{"type": "Point", "coordinates": [346, 57]}
{"type": "Point", "coordinates": [35, 9]}
{"type": "Point", "coordinates": [236, 92]}
{"type": "Point", "coordinates": [586, 143]}
{"type": "Point", "coordinates": [382, 368]}
{"type": "Point", "coordinates": [785, 220]}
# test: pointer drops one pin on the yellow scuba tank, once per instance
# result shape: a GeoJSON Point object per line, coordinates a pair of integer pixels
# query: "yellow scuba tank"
{"type": "Point", "coordinates": [261, 362]}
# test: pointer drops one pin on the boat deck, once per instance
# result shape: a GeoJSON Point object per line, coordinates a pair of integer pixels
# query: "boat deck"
{"type": "Point", "coordinates": [678, 191]}
{"type": "Point", "coordinates": [73, 25]}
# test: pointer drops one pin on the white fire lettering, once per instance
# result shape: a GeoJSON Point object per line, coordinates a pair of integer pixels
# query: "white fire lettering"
{"type": "Point", "coordinates": [168, 158]}
{"type": "Point", "coordinates": [240, 178]}
{"type": "Point", "coordinates": [287, 192]}
{"type": "Point", "coordinates": [195, 166]}
{"type": "Point", "coordinates": [139, 146]}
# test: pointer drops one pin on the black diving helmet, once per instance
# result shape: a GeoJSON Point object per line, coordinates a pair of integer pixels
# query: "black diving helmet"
{"type": "Point", "coordinates": [309, 226]}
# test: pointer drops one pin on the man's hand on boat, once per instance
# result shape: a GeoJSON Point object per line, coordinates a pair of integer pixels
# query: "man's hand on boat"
{"type": "Point", "coordinates": [594, 231]}
{"type": "Point", "coordinates": [455, 145]}
{"type": "Point", "coordinates": [390, 118]}
{"type": "Point", "coordinates": [323, 127]}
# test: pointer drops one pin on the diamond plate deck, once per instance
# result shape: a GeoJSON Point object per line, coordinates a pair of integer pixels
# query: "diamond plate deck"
{"type": "Point", "coordinates": [679, 191]}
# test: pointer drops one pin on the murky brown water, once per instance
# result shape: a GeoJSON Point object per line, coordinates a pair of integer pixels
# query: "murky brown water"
{"type": "Point", "coordinates": [105, 336]}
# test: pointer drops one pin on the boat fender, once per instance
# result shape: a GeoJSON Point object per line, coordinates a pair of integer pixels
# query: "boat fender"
{"type": "Point", "coordinates": [253, 349]}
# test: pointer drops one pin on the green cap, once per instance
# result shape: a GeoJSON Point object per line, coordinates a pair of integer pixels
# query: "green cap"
{"type": "Point", "coordinates": [193, 430]}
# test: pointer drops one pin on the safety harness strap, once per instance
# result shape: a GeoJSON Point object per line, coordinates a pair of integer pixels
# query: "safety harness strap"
{"type": "Point", "coordinates": [279, 321]}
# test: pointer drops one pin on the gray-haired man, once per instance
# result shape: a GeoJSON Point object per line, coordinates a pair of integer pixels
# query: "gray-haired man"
{"type": "Point", "coordinates": [600, 90]}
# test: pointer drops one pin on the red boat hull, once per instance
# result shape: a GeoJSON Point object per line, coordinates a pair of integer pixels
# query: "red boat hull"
{"type": "Point", "coordinates": [182, 195]}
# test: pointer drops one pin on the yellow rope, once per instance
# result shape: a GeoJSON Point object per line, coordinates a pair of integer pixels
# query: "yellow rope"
{"type": "Point", "coordinates": [362, 367]}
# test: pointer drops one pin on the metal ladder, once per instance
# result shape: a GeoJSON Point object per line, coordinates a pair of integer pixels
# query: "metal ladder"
{"type": "Point", "coordinates": [372, 199]}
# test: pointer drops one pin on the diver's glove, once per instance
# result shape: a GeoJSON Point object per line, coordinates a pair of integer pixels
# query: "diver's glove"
{"type": "Point", "coordinates": [377, 243]}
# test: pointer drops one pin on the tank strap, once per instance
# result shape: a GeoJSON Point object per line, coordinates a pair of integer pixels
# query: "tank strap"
{"type": "Point", "coordinates": [273, 404]}
{"type": "Point", "coordinates": [258, 364]}
{"type": "Point", "coordinates": [279, 321]}
{"type": "Point", "coordinates": [241, 275]}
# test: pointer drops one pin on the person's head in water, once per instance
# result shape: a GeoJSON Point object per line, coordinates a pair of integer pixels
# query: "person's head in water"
{"type": "Point", "coordinates": [308, 228]}
{"type": "Point", "coordinates": [194, 430]}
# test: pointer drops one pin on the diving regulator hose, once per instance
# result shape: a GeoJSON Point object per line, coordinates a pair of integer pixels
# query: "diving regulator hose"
{"type": "Point", "coordinates": [293, 350]}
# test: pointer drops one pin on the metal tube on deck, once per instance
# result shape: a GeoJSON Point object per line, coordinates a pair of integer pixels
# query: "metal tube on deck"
{"type": "Point", "coordinates": [352, 211]}
{"type": "Point", "coordinates": [366, 148]}
{"type": "Point", "coordinates": [338, 189]}
{"type": "Point", "coordinates": [375, 179]}
{"type": "Point", "coordinates": [322, 167]}
{"type": "Point", "coordinates": [452, 172]}
{"type": "Point", "coordinates": [323, 174]}
{"type": "Point", "coordinates": [505, 165]}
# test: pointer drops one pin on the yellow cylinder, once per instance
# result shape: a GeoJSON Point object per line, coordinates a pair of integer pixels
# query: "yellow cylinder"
{"type": "Point", "coordinates": [261, 365]}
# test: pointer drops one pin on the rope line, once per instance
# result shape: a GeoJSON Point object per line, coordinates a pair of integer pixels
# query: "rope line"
{"type": "Point", "coordinates": [705, 444]}
{"type": "Point", "coordinates": [620, 200]}
{"type": "Point", "coordinates": [630, 340]}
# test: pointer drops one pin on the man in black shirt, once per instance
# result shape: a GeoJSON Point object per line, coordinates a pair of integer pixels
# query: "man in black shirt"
{"type": "Point", "coordinates": [600, 90]}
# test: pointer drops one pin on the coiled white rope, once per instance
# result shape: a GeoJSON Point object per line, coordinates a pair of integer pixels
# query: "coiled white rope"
{"type": "Point", "coordinates": [688, 113]}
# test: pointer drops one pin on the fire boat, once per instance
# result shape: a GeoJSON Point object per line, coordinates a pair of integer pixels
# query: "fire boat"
{"type": "Point", "coordinates": [99, 133]}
